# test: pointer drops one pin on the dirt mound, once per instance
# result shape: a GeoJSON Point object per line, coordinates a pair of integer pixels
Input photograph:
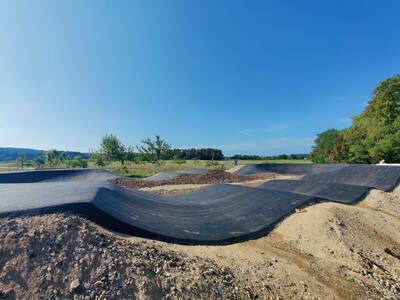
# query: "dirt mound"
{"type": "Point", "coordinates": [61, 256]}
{"type": "Point", "coordinates": [211, 177]}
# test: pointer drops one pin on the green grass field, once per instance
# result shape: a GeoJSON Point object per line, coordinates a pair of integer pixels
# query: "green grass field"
{"type": "Point", "coordinates": [144, 169]}
{"type": "Point", "coordinates": [11, 166]}
{"type": "Point", "coordinates": [141, 170]}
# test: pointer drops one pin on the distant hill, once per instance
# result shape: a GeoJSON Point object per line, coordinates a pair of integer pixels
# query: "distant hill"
{"type": "Point", "coordinates": [9, 153]}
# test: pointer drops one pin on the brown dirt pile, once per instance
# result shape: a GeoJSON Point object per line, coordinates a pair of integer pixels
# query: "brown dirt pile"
{"type": "Point", "coordinates": [211, 177]}
{"type": "Point", "coordinates": [66, 257]}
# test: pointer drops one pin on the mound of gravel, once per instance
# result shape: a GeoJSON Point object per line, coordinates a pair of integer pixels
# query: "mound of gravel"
{"type": "Point", "coordinates": [63, 256]}
{"type": "Point", "coordinates": [211, 177]}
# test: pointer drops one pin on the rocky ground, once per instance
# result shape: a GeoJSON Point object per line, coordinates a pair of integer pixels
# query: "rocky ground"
{"type": "Point", "coordinates": [63, 256]}
{"type": "Point", "coordinates": [325, 251]}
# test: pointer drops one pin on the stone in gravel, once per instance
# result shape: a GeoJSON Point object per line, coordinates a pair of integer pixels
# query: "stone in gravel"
{"type": "Point", "coordinates": [5, 293]}
{"type": "Point", "coordinates": [74, 286]}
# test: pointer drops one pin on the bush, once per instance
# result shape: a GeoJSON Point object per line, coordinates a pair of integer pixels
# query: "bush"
{"type": "Point", "coordinates": [77, 162]}
{"type": "Point", "coordinates": [179, 161]}
{"type": "Point", "coordinates": [215, 165]}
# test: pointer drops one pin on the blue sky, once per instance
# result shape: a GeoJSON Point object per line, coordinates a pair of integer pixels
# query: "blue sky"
{"type": "Point", "coordinates": [260, 77]}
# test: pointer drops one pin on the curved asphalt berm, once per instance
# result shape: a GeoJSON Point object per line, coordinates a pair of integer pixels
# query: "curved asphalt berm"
{"type": "Point", "coordinates": [217, 214]}
{"type": "Point", "coordinates": [53, 175]}
{"type": "Point", "coordinates": [289, 169]}
{"type": "Point", "coordinates": [383, 177]}
{"type": "Point", "coordinates": [337, 192]}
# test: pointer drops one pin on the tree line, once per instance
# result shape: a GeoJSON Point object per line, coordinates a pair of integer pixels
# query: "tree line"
{"type": "Point", "coordinates": [111, 149]}
{"type": "Point", "coordinates": [193, 153]}
{"type": "Point", "coordinates": [151, 150]}
{"type": "Point", "coordinates": [52, 159]}
{"type": "Point", "coordinates": [374, 135]}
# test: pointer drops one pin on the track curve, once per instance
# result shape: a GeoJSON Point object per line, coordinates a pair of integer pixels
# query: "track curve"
{"type": "Point", "coordinates": [217, 214]}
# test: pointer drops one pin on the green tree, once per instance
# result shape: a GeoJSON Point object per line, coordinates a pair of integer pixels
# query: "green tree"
{"type": "Point", "coordinates": [54, 158]}
{"type": "Point", "coordinates": [98, 158]}
{"type": "Point", "coordinates": [130, 154]}
{"type": "Point", "coordinates": [77, 162]}
{"type": "Point", "coordinates": [339, 151]}
{"type": "Point", "coordinates": [153, 150]}
{"type": "Point", "coordinates": [38, 162]}
{"type": "Point", "coordinates": [323, 146]}
{"type": "Point", "coordinates": [112, 149]}
{"type": "Point", "coordinates": [374, 134]}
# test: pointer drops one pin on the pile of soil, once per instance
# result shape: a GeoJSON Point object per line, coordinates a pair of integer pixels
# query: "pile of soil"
{"type": "Point", "coordinates": [62, 256]}
{"type": "Point", "coordinates": [211, 177]}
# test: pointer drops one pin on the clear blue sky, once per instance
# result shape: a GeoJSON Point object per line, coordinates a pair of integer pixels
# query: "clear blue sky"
{"type": "Point", "coordinates": [261, 77]}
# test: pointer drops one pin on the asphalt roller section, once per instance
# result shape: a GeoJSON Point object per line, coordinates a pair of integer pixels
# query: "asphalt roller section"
{"type": "Point", "coordinates": [216, 214]}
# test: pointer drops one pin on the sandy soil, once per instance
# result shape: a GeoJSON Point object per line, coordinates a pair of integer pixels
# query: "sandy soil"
{"type": "Point", "coordinates": [325, 251]}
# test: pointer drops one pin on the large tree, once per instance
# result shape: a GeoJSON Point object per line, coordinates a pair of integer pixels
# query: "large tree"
{"type": "Point", "coordinates": [323, 146]}
{"type": "Point", "coordinates": [374, 134]}
{"type": "Point", "coordinates": [112, 149]}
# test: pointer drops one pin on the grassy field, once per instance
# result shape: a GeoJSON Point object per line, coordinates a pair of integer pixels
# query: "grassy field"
{"type": "Point", "coordinates": [10, 166]}
{"type": "Point", "coordinates": [141, 170]}
{"type": "Point", "coordinates": [144, 169]}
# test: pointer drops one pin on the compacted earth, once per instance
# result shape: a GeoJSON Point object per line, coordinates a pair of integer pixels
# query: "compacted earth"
{"type": "Point", "coordinates": [324, 251]}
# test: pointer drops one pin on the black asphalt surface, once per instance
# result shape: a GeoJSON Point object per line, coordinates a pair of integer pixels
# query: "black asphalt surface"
{"type": "Point", "coordinates": [383, 177]}
{"type": "Point", "coordinates": [337, 192]}
{"type": "Point", "coordinates": [289, 169]}
{"type": "Point", "coordinates": [216, 214]}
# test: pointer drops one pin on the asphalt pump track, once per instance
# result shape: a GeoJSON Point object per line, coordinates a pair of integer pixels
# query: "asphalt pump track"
{"type": "Point", "coordinates": [217, 214]}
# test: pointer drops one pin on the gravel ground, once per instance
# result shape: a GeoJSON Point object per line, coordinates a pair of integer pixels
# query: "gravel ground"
{"type": "Point", "coordinates": [62, 256]}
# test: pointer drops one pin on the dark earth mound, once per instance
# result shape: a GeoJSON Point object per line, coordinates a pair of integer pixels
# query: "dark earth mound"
{"type": "Point", "coordinates": [211, 177]}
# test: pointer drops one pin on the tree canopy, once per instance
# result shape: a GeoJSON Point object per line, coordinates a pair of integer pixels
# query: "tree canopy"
{"type": "Point", "coordinates": [112, 149]}
{"type": "Point", "coordinates": [153, 150]}
{"type": "Point", "coordinates": [374, 134]}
